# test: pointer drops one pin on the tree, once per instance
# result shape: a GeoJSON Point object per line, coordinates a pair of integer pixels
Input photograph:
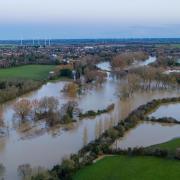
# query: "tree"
{"type": "Point", "coordinates": [71, 89]}
{"type": "Point", "coordinates": [2, 170]}
{"type": "Point", "coordinates": [177, 154]}
{"type": "Point", "coordinates": [113, 133]}
{"type": "Point", "coordinates": [22, 108]}
{"type": "Point", "coordinates": [1, 116]}
{"type": "Point", "coordinates": [133, 82]}
{"type": "Point", "coordinates": [65, 170]}
{"type": "Point", "coordinates": [125, 90]}
{"type": "Point", "coordinates": [85, 136]}
{"type": "Point", "coordinates": [67, 110]}
{"type": "Point", "coordinates": [48, 104]}
{"type": "Point", "coordinates": [100, 76]}
{"type": "Point", "coordinates": [122, 60]}
{"type": "Point", "coordinates": [25, 171]}
{"type": "Point", "coordinates": [97, 130]}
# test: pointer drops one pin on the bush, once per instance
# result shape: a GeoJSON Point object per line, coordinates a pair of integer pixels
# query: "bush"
{"type": "Point", "coordinates": [66, 73]}
{"type": "Point", "coordinates": [177, 154]}
{"type": "Point", "coordinates": [65, 170]}
{"type": "Point", "coordinates": [112, 133]}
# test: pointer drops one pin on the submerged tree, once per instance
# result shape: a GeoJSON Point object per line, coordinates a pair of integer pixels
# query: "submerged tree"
{"type": "Point", "coordinates": [67, 111]}
{"type": "Point", "coordinates": [85, 136]}
{"type": "Point", "coordinates": [2, 170]}
{"type": "Point", "coordinates": [1, 116]}
{"type": "Point", "coordinates": [22, 108]}
{"type": "Point", "coordinates": [71, 89]}
{"type": "Point", "coordinates": [25, 171]}
{"type": "Point", "coordinates": [48, 105]}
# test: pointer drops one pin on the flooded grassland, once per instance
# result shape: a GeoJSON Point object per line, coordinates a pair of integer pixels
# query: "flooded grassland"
{"type": "Point", "coordinates": [47, 148]}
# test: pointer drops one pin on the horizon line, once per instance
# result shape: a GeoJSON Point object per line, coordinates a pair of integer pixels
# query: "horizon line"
{"type": "Point", "coordinates": [126, 38]}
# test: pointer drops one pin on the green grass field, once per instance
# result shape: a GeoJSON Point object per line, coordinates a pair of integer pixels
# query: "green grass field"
{"type": "Point", "coordinates": [171, 145]}
{"type": "Point", "coordinates": [34, 72]}
{"type": "Point", "coordinates": [131, 168]}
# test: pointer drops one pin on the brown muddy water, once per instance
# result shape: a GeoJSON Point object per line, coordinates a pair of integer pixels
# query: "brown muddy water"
{"type": "Point", "coordinates": [168, 110]}
{"type": "Point", "coordinates": [47, 148]}
{"type": "Point", "coordinates": [146, 134]}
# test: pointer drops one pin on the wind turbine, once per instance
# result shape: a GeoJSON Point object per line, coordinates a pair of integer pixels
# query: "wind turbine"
{"type": "Point", "coordinates": [49, 42]}
{"type": "Point", "coordinates": [45, 42]}
{"type": "Point", "coordinates": [21, 41]}
{"type": "Point", "coordinates": [38, 42]}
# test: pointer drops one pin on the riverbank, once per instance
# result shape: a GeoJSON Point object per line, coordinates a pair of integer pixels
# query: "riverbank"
{"type": "Point", "coordinates": [62, 142]}
{"type": "Point", "coordinates": [130, 168]}
{"type": "Point", "coordinates": [100, 146]}
{"type": "Point", "coordinates": [92, 113]}
{"type": "Point", "coordinates": [26, 72]}
{"type": "Point", "coordinates": [17, 81]}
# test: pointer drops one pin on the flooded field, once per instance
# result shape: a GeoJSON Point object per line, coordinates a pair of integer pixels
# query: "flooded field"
{"type": "Point", "coordinates": [172, 71]}
{"type": "Point", "coordinates": [49, 147]}
{"type": "Point", "coordinates": [150, 60]}
{"type": "Point", "coordinates": [168, 110]}
{"type": "Point", "coordinates": [146, 134]}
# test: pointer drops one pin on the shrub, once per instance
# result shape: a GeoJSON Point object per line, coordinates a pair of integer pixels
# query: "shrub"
{"type": "Point", "coordinates": [66, 73]}
{"type": "Point", "coordinates": [177, 154]}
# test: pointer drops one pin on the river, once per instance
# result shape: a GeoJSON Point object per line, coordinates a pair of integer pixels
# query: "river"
{"type": "Point", "coordinates": [49, 147]}
{"type": "Point", "coordinates": [167, 110]}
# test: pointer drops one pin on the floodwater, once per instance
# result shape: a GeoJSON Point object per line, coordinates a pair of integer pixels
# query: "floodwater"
{"type": "Point", "coordinates": [167, 110]}
{"type": "Point", "coordinates": [47, 148]}
{"type": "Point", "coordinates": [105, 66]}
{"type": "Point", "coordinates": [136, 64]}
{"type": "Point", "coordinates": [172, 71]}
{"type": "Point", "coordinates": [146, 134]}
{"type": "Point", "coordinates": [148, 61]}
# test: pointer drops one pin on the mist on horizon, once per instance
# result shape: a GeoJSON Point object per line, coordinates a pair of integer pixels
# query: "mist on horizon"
{"type": "Point", "coordinates": [66, 19]}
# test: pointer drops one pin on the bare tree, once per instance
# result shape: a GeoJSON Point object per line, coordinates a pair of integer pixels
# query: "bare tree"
{"type": "Point", "coordinates": [71, 89]}
{"type": "Point", "coordinates": [25, 171]}
{"type": "Point", "coordinates": [23, 108]}
{"type": "Point", "coordinates": [85, 136]}
{"type": "Point", "coordinates": [48, 104]}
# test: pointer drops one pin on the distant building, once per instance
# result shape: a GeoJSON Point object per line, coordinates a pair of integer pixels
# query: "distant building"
{"type": "Point", "coordinates": [51, 75]}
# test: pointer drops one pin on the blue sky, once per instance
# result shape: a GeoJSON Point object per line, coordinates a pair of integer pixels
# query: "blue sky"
{"type": "Point", "coordinates": [89, 18]}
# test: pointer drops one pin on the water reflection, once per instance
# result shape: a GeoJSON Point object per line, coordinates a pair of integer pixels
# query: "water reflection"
{"type": "Point", "coordinates": [46, 148]}
{"type": "Point", "coordinates": [146, 134]}
{"type": "Point", "coordinates": [136, 64]}
{"type": "Point", "coordinates": [85, 136]}
{"type": "Point", "coordinates": [2, 171]}
{"type": "Point", "coordinates": [168, 110]}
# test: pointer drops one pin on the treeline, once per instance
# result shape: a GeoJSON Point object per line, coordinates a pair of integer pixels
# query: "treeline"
{"type": "Point", "coordinates": [24, 59]}
{"type": "Point", "coordinates": [10, 89]}
{"type": "Point", "coordinates": [164, 120]}
{"type": "Point", "coordinates": [100, 146]}
{"type": "Point", "coordinates": [149, 151]}
{"type": "Point", "coordinates": [86, 68]}
{"type": "Point", "coordinates": [92, 113]}
{"type": "Point", "coordinates": [47, 109]}
{"type": "Point", "coordinates": [83, 68]}
{"type": "Point", "coordinates": [166, 61]}
{"type": "Point", "coordinates": [123, 60]}
{"type": "Point", "coordinates": [147, 78]}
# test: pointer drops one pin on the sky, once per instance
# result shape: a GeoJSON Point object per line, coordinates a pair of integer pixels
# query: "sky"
{"type": "Point", "coordinates": [67, 19]}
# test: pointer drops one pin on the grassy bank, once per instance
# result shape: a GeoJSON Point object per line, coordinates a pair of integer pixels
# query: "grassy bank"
{"type": "Point", "coordinates": [131, 168]}
{"type": "Point", "coordinates": [171, 145]}
{"type": "Point", "coordinates": [17, 81]}
{"type": "Point", "coordinates": [30, 72]}
{"type": "Point", "coordinates": [79, 163]}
